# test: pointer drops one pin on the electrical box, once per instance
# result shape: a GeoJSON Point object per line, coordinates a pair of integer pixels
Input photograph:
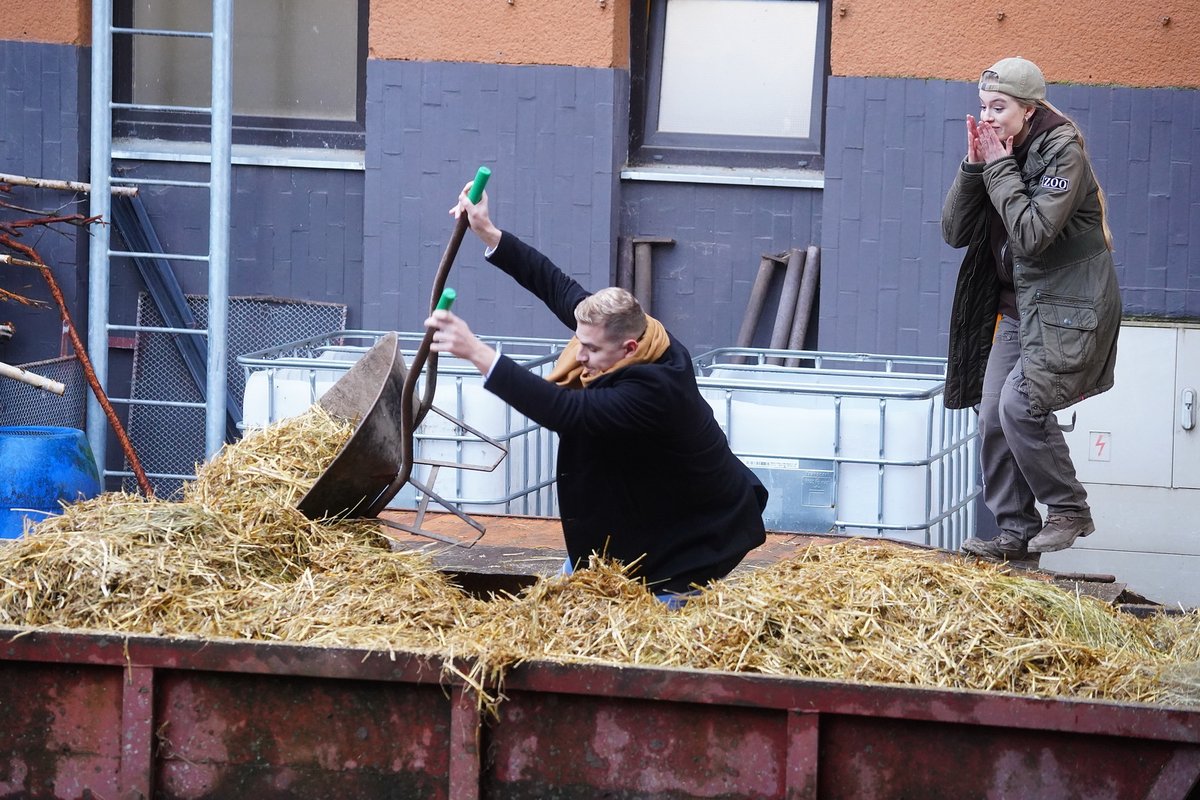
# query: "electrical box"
{"type": "Point", "coordinates": [1136, 448]}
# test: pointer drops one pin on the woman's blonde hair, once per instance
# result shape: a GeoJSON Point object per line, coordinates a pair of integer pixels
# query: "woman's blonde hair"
{"type": "Point", "coordinates": [1108, 240]}
{"type": "Point", "coordinates": [616, 311]}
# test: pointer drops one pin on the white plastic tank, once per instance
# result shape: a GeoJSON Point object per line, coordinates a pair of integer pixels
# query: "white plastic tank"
{"type": "Point", "coordinates": [287, 381]}
{"type": "Point", "coordinates": [864, 445]}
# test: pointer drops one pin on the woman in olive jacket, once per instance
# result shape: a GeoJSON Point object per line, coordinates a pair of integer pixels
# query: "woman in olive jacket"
{"type": "Point", "coordinates": [1033, 328]}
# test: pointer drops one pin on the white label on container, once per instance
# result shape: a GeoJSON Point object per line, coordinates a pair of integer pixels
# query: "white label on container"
{"type": "Point", "coordinates": [763, 462]}
{"type": "Point", "coordinates": [1101, 446]}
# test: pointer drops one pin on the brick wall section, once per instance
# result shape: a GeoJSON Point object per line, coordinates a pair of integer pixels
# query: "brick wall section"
{"type": "Point", "coordinates": [549, 135]}
{"type": "Point", "coordinates": [43, 134]}
{"type": "Point", "coordinates": [892, 147]}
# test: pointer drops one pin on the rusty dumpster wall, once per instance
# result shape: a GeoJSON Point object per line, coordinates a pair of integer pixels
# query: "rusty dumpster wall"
{"type": "Point", "coordinates": [104, 716]}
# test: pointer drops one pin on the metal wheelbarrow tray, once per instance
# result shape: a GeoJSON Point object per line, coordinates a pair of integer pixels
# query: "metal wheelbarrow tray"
{"type": "Point", "coordinates": [89, 714]}
{"type": "Point", "coordinates": [379, 393]}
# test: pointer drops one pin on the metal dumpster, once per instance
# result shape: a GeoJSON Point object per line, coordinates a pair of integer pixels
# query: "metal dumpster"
{"type": "Point", "coordinates": [104, 716]}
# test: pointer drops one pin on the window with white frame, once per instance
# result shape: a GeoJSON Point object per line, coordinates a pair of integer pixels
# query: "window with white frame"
{"type": "Point", "coordinates": [729, 82]}
{"type": "Point", "coordinates": [298, 71]}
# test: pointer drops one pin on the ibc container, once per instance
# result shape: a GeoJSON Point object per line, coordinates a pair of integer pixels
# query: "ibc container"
{"type": "Point", "coordinates": [856, 444]}
{"type": "Point", "coordinates": [285, 380]}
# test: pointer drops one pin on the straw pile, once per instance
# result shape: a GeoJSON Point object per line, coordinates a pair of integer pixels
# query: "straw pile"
{"type": "Point", "coordinates": [235, 559]}
{"type": "Point", "coordinates": [862, 613]}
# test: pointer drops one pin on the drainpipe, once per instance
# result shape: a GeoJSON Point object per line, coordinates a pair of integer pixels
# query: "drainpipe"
{"type": "Point", "coordinates": [758, 298]}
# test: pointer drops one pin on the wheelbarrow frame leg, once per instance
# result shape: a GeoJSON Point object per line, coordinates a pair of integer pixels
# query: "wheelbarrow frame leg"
{"type": "Point", "coordinates": [427, 494]}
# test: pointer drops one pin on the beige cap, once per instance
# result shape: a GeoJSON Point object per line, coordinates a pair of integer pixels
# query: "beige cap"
{"type": "Point", "coordinates": [1016, 77]}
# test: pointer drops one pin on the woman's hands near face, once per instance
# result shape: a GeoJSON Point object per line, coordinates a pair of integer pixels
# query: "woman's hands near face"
{"type": "Point", "coordinates": [988, 144]}
{"type": "Point", "coordinates": [974, 152]}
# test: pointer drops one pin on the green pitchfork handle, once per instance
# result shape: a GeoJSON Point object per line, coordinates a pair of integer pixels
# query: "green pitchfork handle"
{"type": "Point", "coordinates": [447, 299]}
{"type": "Point", "coordinates": [474, 194]}
{"type": "Point", "coordinates": [413, 413]}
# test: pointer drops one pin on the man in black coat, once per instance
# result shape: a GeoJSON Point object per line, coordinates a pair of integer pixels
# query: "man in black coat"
{"type": "Point", "coordinates": [645, 474]}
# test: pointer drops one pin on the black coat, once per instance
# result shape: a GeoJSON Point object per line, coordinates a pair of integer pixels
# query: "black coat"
{"type": "Point", "coordinates": [644, 471]}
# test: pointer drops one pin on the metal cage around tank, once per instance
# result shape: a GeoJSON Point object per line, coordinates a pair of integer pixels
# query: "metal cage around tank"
{"type": "Point", "coordinates": [285, 380]}
{"type": "Point", "coordinates": [849, 443]}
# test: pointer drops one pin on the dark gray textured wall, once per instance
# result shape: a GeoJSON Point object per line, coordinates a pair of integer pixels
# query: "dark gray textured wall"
{"type": "Point", "coordinates": [43, 134]}
{"type": "Point", "coordinates": [702, 282]}
{"type": "Point", "coordinates": [891, 150]}
{"type": "Point", "coordinates": [550, 135]}
{"type": "Point", "coordinates": [555, 139]}
{"type": "Point", "coordinates": [294, 232]}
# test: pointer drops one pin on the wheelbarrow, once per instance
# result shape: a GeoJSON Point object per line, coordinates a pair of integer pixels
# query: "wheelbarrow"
{"type": "Point", "coordinates": [380, 392]}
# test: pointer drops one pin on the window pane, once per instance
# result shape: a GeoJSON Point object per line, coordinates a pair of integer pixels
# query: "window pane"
{"type": "Point", "coordinates": [739, 67]}
{"type": "Point", "coordinates": [291, 58]}
{"type": "Point", "coordinates": [169, 71]}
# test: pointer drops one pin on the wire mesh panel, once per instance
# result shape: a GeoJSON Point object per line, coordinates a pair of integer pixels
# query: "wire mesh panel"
{"type": "Point", "coordinates": [850, 443]}
{"type": "Point", "coordinates": [169, 439]}
{"type": "Point", "coordinates": [22, 404]}
{"type": "Point", "coordinates": [285, 380]}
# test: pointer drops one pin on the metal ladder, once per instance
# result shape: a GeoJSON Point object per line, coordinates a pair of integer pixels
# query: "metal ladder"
{"type": "Point", "coordinates": [219, 187]}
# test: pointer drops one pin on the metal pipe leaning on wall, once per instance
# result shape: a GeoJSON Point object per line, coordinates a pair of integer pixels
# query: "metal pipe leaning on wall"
{"type": "Point", "coordinates": [788, 296]}
{"type": "Point", "coordinates": [758, 298]}
{"type": "Point", "coordinates": [625, 263]}
{"type": "Point", "coordinates": [643, 271]}
{"type": "Point", "coordinates": [805, 302]}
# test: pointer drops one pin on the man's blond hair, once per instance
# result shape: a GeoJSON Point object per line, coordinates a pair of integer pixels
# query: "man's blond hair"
{"type": "Point", "coordinates": [616, 311]}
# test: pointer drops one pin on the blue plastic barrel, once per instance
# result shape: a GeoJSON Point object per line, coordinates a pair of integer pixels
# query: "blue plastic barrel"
{"type": "Point", "coordinates": [39, 467]}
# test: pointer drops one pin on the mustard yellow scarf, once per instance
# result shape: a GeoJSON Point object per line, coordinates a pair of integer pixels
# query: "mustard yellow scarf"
{"type": "Point", "coordinates": [568, 372]}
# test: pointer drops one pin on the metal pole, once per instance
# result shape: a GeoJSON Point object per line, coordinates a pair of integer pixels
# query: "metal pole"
{"type": "Point", "coordinates": [805, 302]}
{"type": "Point", "coordinates": [643, 273]}
{"type": "Point", "coordinates": [788, 296]}
{"type": "Point", "coordinates": [754, 306]}
{"type": "Point", "coordinates": [643, 277]}
{"type": "Point", "coordinates": [100, 204]}
{"type": "Point", "coordinates": [218, 224]}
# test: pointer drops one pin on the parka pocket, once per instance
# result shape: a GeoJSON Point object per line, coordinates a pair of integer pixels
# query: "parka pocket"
{"type": "Point", "coordinates": [1068, 330]}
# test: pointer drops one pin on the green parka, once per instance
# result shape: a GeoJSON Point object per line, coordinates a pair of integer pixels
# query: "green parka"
{"type": "Point", "coordinates": [1066, 285]}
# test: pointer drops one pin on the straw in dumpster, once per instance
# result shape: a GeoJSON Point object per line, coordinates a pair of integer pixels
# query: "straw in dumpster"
{"type": "Point", "coordinates": [234, 558]}
{"type": "Point", "coordinates": [894, 615]}
{"type": "Point", "coordinates": [595, 615]}
{"type": "Point", "coordinates": [846, 612]}
{"type": "Point", "coordinates": [1177, 636]}
{"type": "Point", "coordinates": [358, 595]}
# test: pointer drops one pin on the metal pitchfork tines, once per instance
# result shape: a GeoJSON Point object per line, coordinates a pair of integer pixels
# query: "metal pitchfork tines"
{"type": "Point", "coordinates": [377, 461]}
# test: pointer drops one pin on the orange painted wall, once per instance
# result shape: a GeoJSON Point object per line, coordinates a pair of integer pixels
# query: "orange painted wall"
{"type": "Point", "coordinates": [586, 33]}
{"type": "Point", "coordinates": [582, 33]}
{"type": "Point", "coordinates": [52, 21]}
{"type": "Point", "coordinates": [1095, 42]}
{"type": "Point", "coordinates": [1099, 42]}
